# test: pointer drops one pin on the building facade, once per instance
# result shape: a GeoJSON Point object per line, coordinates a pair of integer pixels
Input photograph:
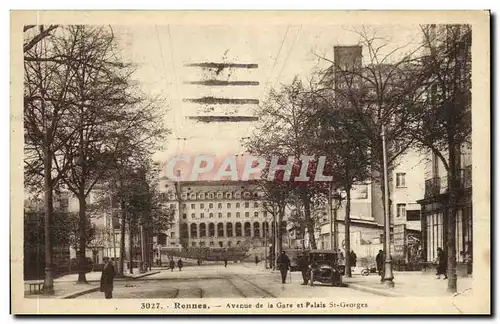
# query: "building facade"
{"type": "Point", "coordinates": [216, 214]}
{"type": "Point", "coordinates": [435, 210]}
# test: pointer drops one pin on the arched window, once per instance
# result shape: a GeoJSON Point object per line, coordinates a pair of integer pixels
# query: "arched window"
{"type": "Point", "coordinates": [219, 205]}
{"type": "Point", "coordinates": [229, 229]}
{"type": "Point", "coordinates": [256, 229]}
{"type": "Point", "coordinates": [211, 230]}
{"type": "Point", "coordinates": [194, 231]}
{"type": "Point", "coordinates": [256, 214]}
{"type": "Point", "coordinates": [248, 230]}
{"type": "Point", "coordinates": [220, 230]}
{"type": "Point", "coordinates": [211, 205]}
{"type": "Point", "coordinates": [237, 205]}
{"type": "Point", "coordinates": [203, 230]}
{"type": "Point", "coordinates": [229, 195]}
{"type": "Point", "coordinates": [238, 229]}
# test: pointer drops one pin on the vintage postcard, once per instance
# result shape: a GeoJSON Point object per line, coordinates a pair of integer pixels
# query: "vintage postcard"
{"type": "Point", "coordinates": [266, 162]}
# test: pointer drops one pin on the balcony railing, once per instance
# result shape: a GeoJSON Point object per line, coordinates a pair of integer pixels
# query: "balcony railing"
{"type": "Point", "coordinates": [432, 187]}
{"type": "Point", "coordinates": [439, 185]}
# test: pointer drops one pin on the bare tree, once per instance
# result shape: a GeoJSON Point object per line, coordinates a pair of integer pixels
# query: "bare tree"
{"type": "Point", "coordinates": [285, 126]}
{"type": "Point", "coordinates": [46, 92]}
{"type": "Point", "coordinates": [445, 124]}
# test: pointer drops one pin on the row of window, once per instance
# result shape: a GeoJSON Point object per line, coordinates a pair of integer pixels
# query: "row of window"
{"type": "Point", "coordinates": [219, 205]}
{"type": "Point", "coordinates": [210, 195]}
{"type": "Point", "coordinates": [219, 215]}
{"type": "Point", "coordinates": [238, 230]}
{"type": "Point", "coordinates": [211, 243]}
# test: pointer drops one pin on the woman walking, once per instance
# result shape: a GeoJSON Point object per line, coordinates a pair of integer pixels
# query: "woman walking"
{"type": "Point", "coordinates": [107, 276]}
{"type": "Point", "coordinates": [441, 264]}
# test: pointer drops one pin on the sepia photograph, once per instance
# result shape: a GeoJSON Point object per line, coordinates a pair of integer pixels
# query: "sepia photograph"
{"type": "Point", "coordinates": [250, 162]}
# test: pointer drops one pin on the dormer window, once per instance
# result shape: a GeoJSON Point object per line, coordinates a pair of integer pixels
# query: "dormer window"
{"type": "Point", "coordinates": [210, 196]}
{"type": "Point", "coordinates": [220, 195]}
{"type": "Point", "coordinates": [192, 196]}
{"type": "Point", "coordinates": [201, 195]}
{"type": "Point", "coordinates": [237, 195]}
{"type": "Point", "coordinates": [229, 195]}
{"type": "Point", "coordinates": [246, 195]}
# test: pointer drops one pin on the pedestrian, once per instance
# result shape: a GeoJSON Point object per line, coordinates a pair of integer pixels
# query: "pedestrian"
{"type": "Point", "coordinates": [441, 264]}
{"type": "Point", "coordinates": [180, 264]}
{"type": "Point", "coordinates": [353, 259]}
{"type": "Point", "coordinates": [304, 267]}
{"type": "Point", "coordinates": [107, 276]}
{"type": "Point", "coordinates": [256, 260]}
{"type": "Point", "coordinates": [172, 265]}
{"type": "Point", "coordinates": [199, 262]}
{"type": "Point", "coordinates": [225, 262]}
{"type": "Point", "coordinates": [284, 265]}
{"type": "Point", "coordinates": [379, 259]}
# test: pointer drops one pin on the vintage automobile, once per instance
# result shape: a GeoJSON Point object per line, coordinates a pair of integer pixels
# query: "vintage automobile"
{"type": "Point", "coordinates": [324, 267]}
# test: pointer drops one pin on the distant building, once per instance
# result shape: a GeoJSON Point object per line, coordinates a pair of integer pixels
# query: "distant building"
{"type": "Point", "coordinates": [216, 214]}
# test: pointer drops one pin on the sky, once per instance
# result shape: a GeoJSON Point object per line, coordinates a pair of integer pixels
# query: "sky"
{"type": "Point", "coordinates": [281, 52]}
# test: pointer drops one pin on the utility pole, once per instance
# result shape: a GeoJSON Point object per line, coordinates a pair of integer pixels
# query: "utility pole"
{"type": "Point", "coordinates": [388, 275]}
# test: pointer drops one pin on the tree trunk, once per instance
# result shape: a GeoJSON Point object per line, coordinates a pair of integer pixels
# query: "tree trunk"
{"type": "Point", "coordinates": [130, 245]}
{"type": "Point", "coordinates": [308, 220]}
{"type": "Point", "coordinates": [273, 231]}
{"type": "Point", "coordinates": [122, 239]}
{"type": "Point", "coordinates": [347, 227]}
{"type": "Point", "coordinates": [48, 283]}
{"type": "Point", "coordinates": [83, 235]}
{"type": "Point", "coordinates": [451, 226]}
{"type": "Point", "coordinates": [281, 212]}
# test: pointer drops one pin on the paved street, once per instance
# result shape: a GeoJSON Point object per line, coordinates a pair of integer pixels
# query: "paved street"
{"type": "Point", "coordinates": [215, 281]}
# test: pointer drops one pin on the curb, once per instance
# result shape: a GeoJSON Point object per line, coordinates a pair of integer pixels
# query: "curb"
{"type": "Point", "coordinates": [80, 293]}
{"type": "Point", "coordinates": [94, 289]}
{"type": "Point", "coordinates": [142, 275]}
{"type": "Point", "coordinates": [375, 291]}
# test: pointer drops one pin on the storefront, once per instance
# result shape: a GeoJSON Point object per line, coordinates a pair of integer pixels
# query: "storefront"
{"type": "Point", "coordinates": [434, 229]}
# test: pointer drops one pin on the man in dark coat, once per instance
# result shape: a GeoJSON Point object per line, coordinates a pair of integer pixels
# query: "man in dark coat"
{"type": "Point", "coordinates": [172, 265]}
{"type": "Point", "coordinates": [256, 260]}
{"type": "Point", "coordinates": [107, 276]}
{"type": "Point", "coordinates": [353, 258]}
{"type": "Point", "coordinates": [379, 259]}
{"type": "Point", "coordinates": [180, 264]}
{"type": "Point", "coordinates": [304, 267]}
{"type": "Point", "coordinates": [284, 265]}
{"type": "Point", "coordinates": [441, 264]}
{"type": "Point", "coordinates": [225, 262]}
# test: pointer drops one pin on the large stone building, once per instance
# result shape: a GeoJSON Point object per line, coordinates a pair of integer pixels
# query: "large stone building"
{"type": "Point", "coordinates": [215, 214]}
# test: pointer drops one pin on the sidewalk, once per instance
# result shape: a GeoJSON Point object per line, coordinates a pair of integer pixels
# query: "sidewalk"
{"type": "Point", "coordinates": [67, 287]}
{"type": "Point", "coordinates": [411, 283]}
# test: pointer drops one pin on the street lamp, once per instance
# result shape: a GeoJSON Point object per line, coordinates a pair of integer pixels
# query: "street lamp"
{"type": "Point", "coordinates": [337, 198]}
{"type": "Point", "coordinates": [388, 275]}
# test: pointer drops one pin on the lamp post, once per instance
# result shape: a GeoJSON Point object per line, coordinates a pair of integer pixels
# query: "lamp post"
{"type": "Point", "coordinates": [388, 275]}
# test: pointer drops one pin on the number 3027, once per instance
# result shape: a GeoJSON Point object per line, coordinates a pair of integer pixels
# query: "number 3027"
{"type": "Point", "coordinates": [150, 306]}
